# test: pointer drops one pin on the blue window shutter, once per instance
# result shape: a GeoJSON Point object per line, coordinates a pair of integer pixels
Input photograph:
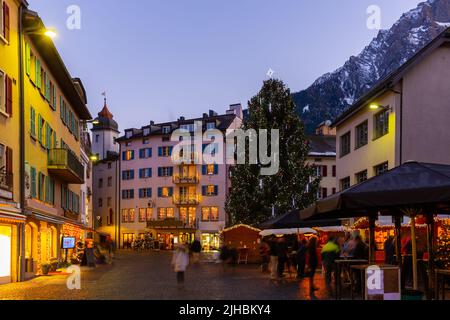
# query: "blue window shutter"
{"type": "Point", "coordinates": [132, 193]}
{"type": "Point", "coordinates": [141, 173]}
{"type": "Point", "coordinates": [141, 153]}
{"type": "Point", "coordinates": [132, 174]}
{"type": "Point", "coordinates": [141, 193]}
{"type": "Point", "coordinates": [159, 171]}
{"type": "Point", "coordinates": [216, 169]}
{"type": "Point", "coordinates": [170, 191]}
{"type": "Point", "coordinates": [150, 172]}
{"type": "Point", "coordinates": [160, 151]}
{"type": "Point", "coordinates": [171, 171]}
{"type": "Point", "coordinates": [170, 151]}
{"type": "Point", "coordinates": [216, 190]}
{"type": "Point", "coordinates": [123, 156]}
{"type": "Point", "coordinates": [204, 170]}
{"type": "Point", "coordinates": [123, 194]}
{"type": "Point", "coordinates": [150, 152]}
{"type": "Point", "coordinates": [132, 154]}
{"type": "Point", "coordinates": [159, 192]}
{"type": "Point", "coordinates": [203, 190]}
{"type": "Point", "coordinates": [123, 175]}
{"type": "Point", "coordinates": [149, 192]}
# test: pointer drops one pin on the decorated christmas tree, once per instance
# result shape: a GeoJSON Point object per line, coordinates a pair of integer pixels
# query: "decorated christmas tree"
{"type": "Point", "coordinates": [253, 197]}
{"type": "Point", "coordinates": [443, 246]}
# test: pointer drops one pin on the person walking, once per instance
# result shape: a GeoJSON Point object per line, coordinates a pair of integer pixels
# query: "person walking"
{"type": "Point", "coordinates": [180, 261]}
{"type": "Point", "coordinates": [313, 261]}
{"type": "Point", "coordinates": [282, 257]}
{"type": "Point", "coordinates": [301, 258]}
{"type": "Point", "coordinates": [389, 251]}
{"type": "Point", "coordinates": [196, 248]}
{"type": "Point", "coordinates": [330, 252]}
{"type": "Point", "coordinates": [273, 251]}
{"type": "Point", "coordinates": [264, 253]}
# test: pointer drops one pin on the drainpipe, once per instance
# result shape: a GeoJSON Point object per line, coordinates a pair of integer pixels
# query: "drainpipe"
{"type": "Point", "coordinates": [21, 233]}
{"type": "Point", "coordinates": [118, 195]}
{"type": "Point", "coordinates": [401, 122]}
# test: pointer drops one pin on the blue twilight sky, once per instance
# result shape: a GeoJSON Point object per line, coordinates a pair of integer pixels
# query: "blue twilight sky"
{"type": "Point", "coordinates": [159, 59]}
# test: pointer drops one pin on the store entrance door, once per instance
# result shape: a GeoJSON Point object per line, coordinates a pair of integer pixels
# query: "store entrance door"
{"type": "Point", "coordinates": [127, 240]}
{"type": "Point", "coordinates": [5, 254]}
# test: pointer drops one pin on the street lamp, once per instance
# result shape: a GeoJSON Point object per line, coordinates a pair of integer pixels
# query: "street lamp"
{"type": "Point", "coordinates": [51, 33]}
{"type": "Point", "coordinates": [376, 106]}
{"type": "Point", "coordinates": [48, 32]}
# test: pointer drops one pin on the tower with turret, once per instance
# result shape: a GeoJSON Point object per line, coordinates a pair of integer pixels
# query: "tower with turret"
{"type": "Point", "coordinates": [104, 134]}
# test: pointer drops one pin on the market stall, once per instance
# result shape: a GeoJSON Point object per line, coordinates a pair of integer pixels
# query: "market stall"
{"type": "Point", "coordinates": [244, 239]}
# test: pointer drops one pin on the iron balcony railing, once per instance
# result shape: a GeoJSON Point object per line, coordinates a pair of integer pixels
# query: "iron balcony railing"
{"type": "Point", "coordinates": [171, 223]}
{"type": "Point", "coordinates": [6, 180]}
{"type": "Point", "coordinates": [186, 199]}
{"type": "Point", "coordinates": [188, 179]}
{"type": "Point", "coordinates": [64, 164]}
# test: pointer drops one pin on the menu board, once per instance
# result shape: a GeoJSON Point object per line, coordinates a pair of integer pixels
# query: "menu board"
{"type": "Point", "coordinates": [68, 242]}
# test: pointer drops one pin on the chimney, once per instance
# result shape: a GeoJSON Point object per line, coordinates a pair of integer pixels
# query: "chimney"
{"type": "Point", "coordinates": [205, 115]}
{"type": "Point", "coordinates": [237, 110]}
{"type": "Point", "coordinates": [152, 123]}
{"type": "Point", "coordinates": [181, 118]}
{"type": "Point", "coordinates": [212, 113]}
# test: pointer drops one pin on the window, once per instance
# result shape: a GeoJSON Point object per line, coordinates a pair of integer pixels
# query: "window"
{"type": "Point", "coordinates": [324, 171]}
{"type": "Point", "coordinates": [131, 215]}
{"type": "Point", "coordinates": [100, 183]}
{"type": "Point", "coordinates": [166, 213]}
{"type": "Point", "coordinates": [5, 21]}
{"type": "Point", "coordinates": [146, 132]}
{"type": "Point", "coordinates": [145, 141]}
{"type": "Point", "coordinates": [128, 194]}
{"type": "Point", "coordinates": [165, 151]}
{"type": "Point", "coordinates": [165, 192]}
{"type": "Point", "coordinates": [361, 176]}
{"type": "Point", "coordinates": [100, 202]}
{"type": "Point", "coordinates": [345, 144]}
{"type": "Point", "coordinates": [109, 181]}
{"type": "Point", "coordinates": [145, 153]}
{"type": "Point", "coordinates": [210, 169]}
{"type": "Point", "coordinates": [381, 124]}
{"type": "Point", "coordinates": [210, 190]}
{"type": "Point", "coordinates": [166, 129]}
{"type": "Point", "coordinates": [145, 173]}
{"type": "Point", "coordinates": [96, 138]}
{"type": "Point", "coordinates": [165, 171]}
{"type": "Point", "coordinates": [129, 134]}
{"type": "Point", "coordinates": [210, 125]}
{"type": "Point", "coordinates": [128, 155]}
{"type": "Point", "coordinates": [145, 193]}
{"type": "Point", "coordinates": [382, 168]}
{"type": "Point", "coordinates": [333, 191]}
{"type": "Point", "coordinates": [324, 192]}
{"type": "Point", "coordinates": [334, 171]}
{"type": "Point", "coordinates": [128, 144]}
{"type": "Point", "coordinates": [109, 202]}
{"type": "Point", "coordinates": [145, 214]}
{"type": "Point", "coordinates": [345, 183]}
{"type": "Point", "coordinates": [5, 94]}
{"type": "Point", "coordinates": [210, 213]}
{"type": "Point", "coordinates": [361, 135]}
{"type": "Point", "coordinates": [128, 175]}
{"type": "Point", "coordinates": [187, 127]}
{"type": "Point", "coordinates": [109, 165]}
{"type": "Point", "coordinates": [125, 215]}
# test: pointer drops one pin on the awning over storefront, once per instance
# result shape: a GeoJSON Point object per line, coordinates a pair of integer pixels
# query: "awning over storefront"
{"type": "Point", "coordinates": [11, 217]}
{"type": "Point", "coordinates": [279, 232]}
{"type": "Point", "coordinates": [292, 220]}
{"type": "Point", "coordinates": [47, 218]}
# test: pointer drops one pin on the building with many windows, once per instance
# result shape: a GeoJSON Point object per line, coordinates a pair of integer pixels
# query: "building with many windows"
{"type": "Point", "coordinates": [54, 108]}
{"type": "Point", "coordinates": [322, 155]}
{"type": "Point", "coordinates": [11, 218]}
{"type": "Point", "coordinates": [175, 202]}
{"type": "Point", "coordinates": [404, 117]}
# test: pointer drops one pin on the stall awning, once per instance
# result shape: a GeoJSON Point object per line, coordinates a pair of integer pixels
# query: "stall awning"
{"type": "Point", "coordinates": [292, 220]}
{"type": "Point", "coordinates": [280, 232]}
{"type": "Point", "coordinates": [47, 218]}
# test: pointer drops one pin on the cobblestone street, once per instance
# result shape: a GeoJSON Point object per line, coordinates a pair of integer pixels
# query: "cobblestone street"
{"type": "Point", "coordinates": [149, 276]}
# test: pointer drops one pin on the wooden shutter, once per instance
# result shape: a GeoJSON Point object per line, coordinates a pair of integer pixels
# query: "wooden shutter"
{"type": "Point", "coordinates": [159, 192]}
{"type": "Point", "coordinates": [324, 192]}
{"type": "Point", "coordinates": [324, 171]}
{"type": "Point", "coordinates": [334, 171]}
{"type": "Point", "coordinates": [216, 190]}
{"type": "Point", "coordinates": [33, 182]}
{"type": "Point", "coordinates": [27, 58]}
{"type": "Point", "coordinates": [204, 190]}
{"type": "Point", "coordinates": [6, 21]}
{"type": "Point", "coordinates": [9, 98]}
{"type": "Point", "coordinates": [216, 169]}
{"type": "Point", "coordinates": [204, 167]}
{"type": "Point", "coordinates": [32, 122]}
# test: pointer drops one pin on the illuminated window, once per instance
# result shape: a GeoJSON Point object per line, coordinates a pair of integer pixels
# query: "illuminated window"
{"type": "Point", "coordinates": [210, 169]}
{"type": "Point", "coordinates": [124, 215]}
{"type": "Point", "coordinates": [131, 215]}
{"type": "Point", "coordinates": [149, 214]}
{"type": "Point", "coordinates": [128, 155]}
{"type": "Point", "coordinates": [170, 213]}
{"type": "Point", "coordinates": [166, 213]}
{"type": "Point", "coordinates": [165, 192]}
{"type": "Point", "coordinates": [214, 213]}
{"type": "Point", "coordinates": [142, 215]}
{"type": "Point", "coordinates": [205, 213]}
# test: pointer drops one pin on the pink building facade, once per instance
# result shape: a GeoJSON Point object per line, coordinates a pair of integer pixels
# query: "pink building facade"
{"type": "Point", "coordinates": [174, 202]}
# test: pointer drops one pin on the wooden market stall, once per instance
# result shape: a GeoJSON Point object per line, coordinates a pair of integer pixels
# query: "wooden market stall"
{"type": "Point", "coordinates": [245, 239]}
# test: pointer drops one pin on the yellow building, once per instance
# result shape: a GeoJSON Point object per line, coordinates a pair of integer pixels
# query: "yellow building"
{"type": "Point", "coordinates": [11, 218]}
{"type": "Point", "coordinates": [402, 118]}
{"type": "Point", "coordinates": [54, 107]}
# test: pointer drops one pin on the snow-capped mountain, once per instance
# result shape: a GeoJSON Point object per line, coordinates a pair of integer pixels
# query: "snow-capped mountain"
{"type": "Point", "coordinates": [334, 92]}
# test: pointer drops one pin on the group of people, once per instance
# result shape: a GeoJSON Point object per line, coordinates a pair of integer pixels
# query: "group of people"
{"type": "Point", "coordinates": [303, 256]}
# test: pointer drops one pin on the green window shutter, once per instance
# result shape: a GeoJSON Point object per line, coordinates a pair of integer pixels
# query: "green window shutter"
{"type": "Point", "coordinates": [33, 182]}
{"type": "Point", "coordinates": [54, 97]}
{"type": "Point", "coordinates": [40, 187]}
{"type": "Point", "coordinates": [47, 189]}
{"type": "Point", "coordinates": [61, 108]}
{"type": "Point", "coordinates": [27, 58]}
{"type": "Point", "coordinates": [55, 140]}
{"type": "Point", "coordinates": [38, 74]}
{"type": "Point", "coordinates": [40, 128]}
{"type": "Point", "coordinates": [47, 135]}
{"type": "Point", "coordinates": [32, 122]}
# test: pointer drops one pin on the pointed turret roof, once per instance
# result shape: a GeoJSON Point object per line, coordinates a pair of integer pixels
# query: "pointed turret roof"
{"type": "Point", "coordinates": [105, 120]}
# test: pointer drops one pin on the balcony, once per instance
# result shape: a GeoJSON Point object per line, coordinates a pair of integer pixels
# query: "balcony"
{"type": "Point", "coordinates": [66, 166]}
{"type": "Point", "coordinates": [6, 185]}
{"type": "Point", "coordinates": [185, 179]}
{"type": "Point", "coordinates": [186, 199]}
{"type": "Point", "coordinates": [170, 223]}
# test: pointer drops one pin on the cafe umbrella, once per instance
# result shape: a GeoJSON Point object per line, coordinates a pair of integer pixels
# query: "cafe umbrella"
{"type": "Point", "coordinates": [411, 189]}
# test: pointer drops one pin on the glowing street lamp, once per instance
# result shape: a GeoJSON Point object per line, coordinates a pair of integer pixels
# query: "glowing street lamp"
{"type": "Point", "coordinates": [376, 106]}
{"type": "Point", "coordinates": [51, 33]}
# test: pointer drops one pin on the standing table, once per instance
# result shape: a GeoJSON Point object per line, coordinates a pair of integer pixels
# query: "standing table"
{"type": "Point", "coordinates": [342, 264]}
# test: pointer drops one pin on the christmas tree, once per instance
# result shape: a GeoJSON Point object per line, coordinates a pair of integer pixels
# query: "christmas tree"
{"type": "Point", "coordinates": [443, 246]}
{"type": "Point", "coordinates": [254, 196]}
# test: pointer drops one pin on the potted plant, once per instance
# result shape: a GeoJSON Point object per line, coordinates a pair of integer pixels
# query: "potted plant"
{"type": "Point", "coordinates": [45, 268]}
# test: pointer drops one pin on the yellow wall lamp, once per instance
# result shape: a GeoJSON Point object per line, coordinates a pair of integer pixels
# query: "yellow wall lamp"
{"type": "Point", "coordinates": [48, 32]}
{"type": "Point", "coordinates": [375, 106]}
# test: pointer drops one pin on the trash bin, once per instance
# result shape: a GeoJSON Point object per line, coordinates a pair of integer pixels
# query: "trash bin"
{"type": "Point", "coordinates": [412, 295]}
